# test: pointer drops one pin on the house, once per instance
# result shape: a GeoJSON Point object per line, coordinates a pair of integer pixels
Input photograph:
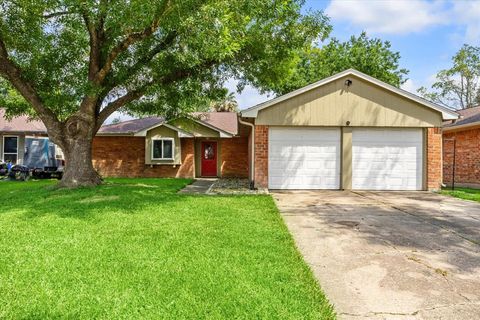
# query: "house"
{"type": "Point", "coordinates": [348, 131]}
{"type": "Point", "coordinates": [23, 141]}
{"type": "Point", "coordinates": [462, 137]}
{"type": "Point", "coordinates": [210, 144]}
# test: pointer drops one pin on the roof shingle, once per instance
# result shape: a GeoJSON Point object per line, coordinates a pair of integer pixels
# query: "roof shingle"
{"type": "Point", "coordinates": [20, 124]}
{"type": "Point", "coordinates": [468, 116]}
{"type": "Point", "coordinates": [225, 121]}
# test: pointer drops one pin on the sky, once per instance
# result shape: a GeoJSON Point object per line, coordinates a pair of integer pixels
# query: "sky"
{"type": "Point", "coordinates": [426, 33]}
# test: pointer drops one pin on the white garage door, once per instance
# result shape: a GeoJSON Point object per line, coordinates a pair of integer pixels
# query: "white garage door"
{"type": "Point", "coordinates": [304, 158]}
{"type": "Point", "coordinates": [389, 159]}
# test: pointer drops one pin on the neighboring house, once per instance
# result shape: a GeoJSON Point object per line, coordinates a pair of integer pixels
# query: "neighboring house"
{"type": "Point", "coordinates": [466, 133]}
{"type": "Point", "coordinates": [348, 131]}
{"type": "Point", "coordinates": [26, 142]}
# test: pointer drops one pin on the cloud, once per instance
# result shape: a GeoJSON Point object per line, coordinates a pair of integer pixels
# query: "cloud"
{"type": "Point", "coordinates": [389, 16]}
{"type": "Point", "coordinates": [409, 86]}
{"type": "Point", "coordinates": [467, 14]}
{"type": "Point", "coordinates": [407, 17]}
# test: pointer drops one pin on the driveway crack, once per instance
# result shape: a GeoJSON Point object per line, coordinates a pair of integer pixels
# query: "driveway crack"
{"type": "Point", "coordinates": [385, 313]}
{"type": "Point", "coordinates": [384, 203]}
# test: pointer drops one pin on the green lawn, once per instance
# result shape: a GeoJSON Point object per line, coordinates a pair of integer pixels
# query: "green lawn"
{"type": "Point", "coordinates": [463, 193]}
{"type": "Point", "coordinates": [136, 249]}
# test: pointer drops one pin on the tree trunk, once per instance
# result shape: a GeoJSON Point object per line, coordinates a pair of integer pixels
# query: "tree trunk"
{"type": "Point", "coordinates": [79, 171]}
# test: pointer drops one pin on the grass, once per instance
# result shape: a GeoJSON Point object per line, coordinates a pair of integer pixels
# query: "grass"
{"type": "Point", "coordinates": [133, 248]}
{"type": "Point", "coordinates": [463, 193]}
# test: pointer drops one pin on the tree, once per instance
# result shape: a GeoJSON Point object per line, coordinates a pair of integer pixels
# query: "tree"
{"type": "Point", "coordinates": [72, 63]}
{"type": "Point", "coordinates": [116, 120]}
{"type": "Point", "coordinates": [371, 56]}
{"type": "Point", "coordinates": [459, 86]}
{"type": "Point", "coordinates": [228, 103]}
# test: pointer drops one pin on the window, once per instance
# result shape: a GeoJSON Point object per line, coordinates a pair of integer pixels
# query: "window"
{"type": "Point", "coordinates": [10, 149]}
{"type": "Point", "coordinates": [162, 149]}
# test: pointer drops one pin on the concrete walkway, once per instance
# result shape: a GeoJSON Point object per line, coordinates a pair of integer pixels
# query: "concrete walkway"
{"type": "Point", "coordinates": [199, 186]}
{"type": "Point", "coordinates": [389, 255]}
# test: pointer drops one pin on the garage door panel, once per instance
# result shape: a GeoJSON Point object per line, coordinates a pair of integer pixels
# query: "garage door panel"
{"type": "Point", "coordinates": [389, 159]}
{"type": "Point", "coordinates": [304, 158]}
{"type": "Point", "coordinates": [322, 164]}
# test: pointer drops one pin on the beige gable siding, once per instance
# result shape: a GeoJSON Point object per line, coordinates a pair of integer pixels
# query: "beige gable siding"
{"type": "Point", "coordinates": [363, 104]}
{"type": "Point", "coordinates": [194, 128]}
{"type": "Point", "coordinates": [158, 133]}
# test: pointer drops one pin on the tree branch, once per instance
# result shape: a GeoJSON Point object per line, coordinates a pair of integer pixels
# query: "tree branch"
{"type": "Point", "coordinates": [56, 14]}
{"type": "Point", "coordinates": [131, 39]}
{"type": "Point", "coordinates": [140, 92]}
{"type": "Point", "coordinates": [117, 104]}
{"type": "Point", "coordinates": [10, 71]}
{"type": "Point", "coordinates": [142, 61]}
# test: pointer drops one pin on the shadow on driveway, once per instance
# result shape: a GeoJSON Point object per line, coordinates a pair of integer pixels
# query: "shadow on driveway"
{"type": "Point", "coordinates": [412, 255]}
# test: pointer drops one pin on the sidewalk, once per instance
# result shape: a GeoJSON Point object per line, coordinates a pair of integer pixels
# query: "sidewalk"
{"type": "Point", "coordinates": [199, 186]}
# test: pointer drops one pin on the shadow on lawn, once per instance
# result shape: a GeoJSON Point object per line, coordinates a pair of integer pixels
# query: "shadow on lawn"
{"type": "Point", "coordinates": [36, 199]}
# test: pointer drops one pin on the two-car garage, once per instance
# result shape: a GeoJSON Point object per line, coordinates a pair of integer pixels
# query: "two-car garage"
{"type": "Point", "coordinates": [311, 158]}
{"type": "Point", "coordinates": [348, 131]}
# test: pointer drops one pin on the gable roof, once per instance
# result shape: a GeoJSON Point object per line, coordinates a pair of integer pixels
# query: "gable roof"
{"type": "Point", "coordinates": [468, 117]}
{"type": "Point", "coordinates": [447, 114]}
{"type": "Point", "coordinates": [20, 124]}
{"type": "Point", "coordinates": [130, 126]}
{"type": "Point", "coordinates": [223, 122]}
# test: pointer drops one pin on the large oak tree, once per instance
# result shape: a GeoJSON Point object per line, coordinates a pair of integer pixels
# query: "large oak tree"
{"type": "Point", "coordinates": [72, 63]}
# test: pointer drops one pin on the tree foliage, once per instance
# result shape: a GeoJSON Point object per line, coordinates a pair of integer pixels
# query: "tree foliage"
{"type": "Point", "coordinates": [227, 103]}
{"type": "Point", "coordinates": [368, 55]}
{"type": "Point", "coordinates": [459, 86]}
{"type": "Point", "coordinates": [72, 63]}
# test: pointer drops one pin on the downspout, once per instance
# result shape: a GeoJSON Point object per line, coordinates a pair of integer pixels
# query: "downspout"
{"type": "Point", "coordinates": [252, 152]}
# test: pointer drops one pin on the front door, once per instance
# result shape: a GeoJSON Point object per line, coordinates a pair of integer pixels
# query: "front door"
{"type": "Point", "coordinates": [209, 159]}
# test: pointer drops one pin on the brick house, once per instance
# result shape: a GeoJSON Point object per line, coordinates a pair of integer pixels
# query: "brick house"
{"type": "Point", "coordinates": [210, 144]}
{"type": "Point", "coordinates": [348, 131]}
{"type": "Point", "coordinates": [465, 134]}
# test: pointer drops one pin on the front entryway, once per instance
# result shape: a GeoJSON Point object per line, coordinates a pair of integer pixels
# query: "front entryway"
{"type": "Point", "coordinates": [209, 159]}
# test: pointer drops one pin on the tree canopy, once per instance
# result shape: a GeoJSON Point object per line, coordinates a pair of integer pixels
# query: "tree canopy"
{"type": "Point", "coordinates": [72, 63]}
{"type": "Point", "coordinates": [368, 55]}
{"type": "Point", "coordinates": [226, 103]}
{"type": "Point", "coordinates": [459, 86]}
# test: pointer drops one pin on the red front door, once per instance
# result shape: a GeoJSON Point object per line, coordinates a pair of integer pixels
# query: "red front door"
{"type": "Point", "coordinates": [209, 159]}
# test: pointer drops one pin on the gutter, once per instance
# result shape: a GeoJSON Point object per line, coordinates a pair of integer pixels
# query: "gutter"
{"type": "Point", "coordinates": [252, 151]}
{"type": "Point", "coordinates": [461, 126]}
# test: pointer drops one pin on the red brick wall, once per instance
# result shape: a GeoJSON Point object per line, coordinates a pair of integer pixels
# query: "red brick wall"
{"type": "Point", "coordinates": [125, 157]}
{"type": "Point", "coordinates": [261, 156]}
{"type": "Point", "coordinates": [434, 158]}
{"type": "Point", "coordinates": [467, 166]}
{"type": "Point", "coordinates": [234, 157]}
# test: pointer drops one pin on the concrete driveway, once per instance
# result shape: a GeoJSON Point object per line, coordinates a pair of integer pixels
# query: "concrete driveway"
{"type": "Point", "coordinates": [390, 255]}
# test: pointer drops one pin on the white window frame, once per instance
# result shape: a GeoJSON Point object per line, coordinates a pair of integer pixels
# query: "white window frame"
{"type": "Point", "coordinates": [164, 139]}
{"type": "Point", "coordinates": [3, 147]}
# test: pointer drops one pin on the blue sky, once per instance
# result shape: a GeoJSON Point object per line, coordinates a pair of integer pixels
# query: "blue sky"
{"type": "Point", "coordinates": [426, 33]}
